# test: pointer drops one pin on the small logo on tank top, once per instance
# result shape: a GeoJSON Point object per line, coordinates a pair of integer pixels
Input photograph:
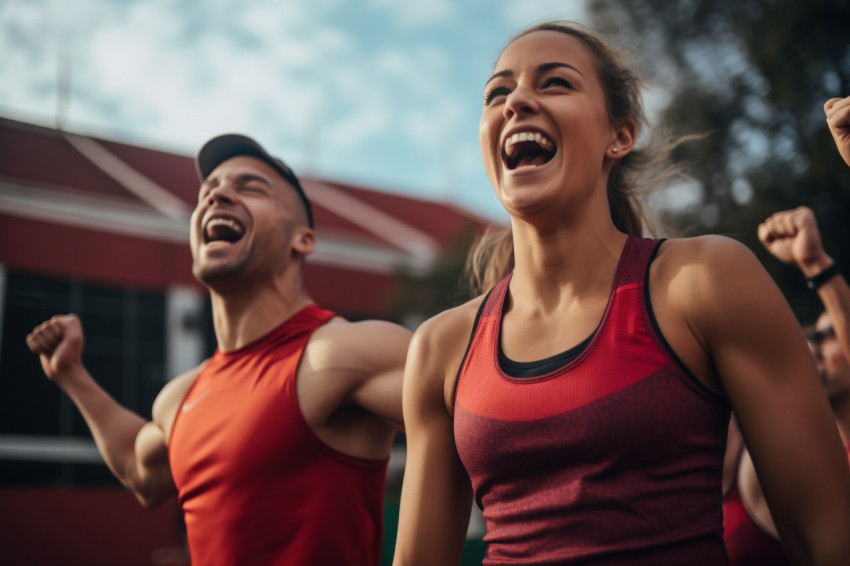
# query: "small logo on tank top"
{"type": "Point", "coordinates": [191, 404]}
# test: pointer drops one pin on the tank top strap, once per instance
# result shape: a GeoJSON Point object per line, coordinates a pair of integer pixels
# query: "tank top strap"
{"type": "Point", "coordinates": [634, 261]}
{"type": "Point", "coordinates": [495, 300]}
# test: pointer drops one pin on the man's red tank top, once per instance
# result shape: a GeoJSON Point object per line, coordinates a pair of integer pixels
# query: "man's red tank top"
{"type": "Point", "coordinates": [614, 458]}
{"type": "Point", "coordinates": [256, 485]}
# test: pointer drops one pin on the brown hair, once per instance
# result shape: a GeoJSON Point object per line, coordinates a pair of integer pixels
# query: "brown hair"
{"type": "Point", "coordinates": [491, 257]}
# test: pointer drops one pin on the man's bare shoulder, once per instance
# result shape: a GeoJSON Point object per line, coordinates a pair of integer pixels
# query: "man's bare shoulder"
{"type": "Point", "coordinates": [342, 343]}
{"type": "Point", "coordinates": [168, 401]}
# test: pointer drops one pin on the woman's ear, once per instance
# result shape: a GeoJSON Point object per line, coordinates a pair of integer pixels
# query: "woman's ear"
{"type": "Point", "coordinates": [623, 139]}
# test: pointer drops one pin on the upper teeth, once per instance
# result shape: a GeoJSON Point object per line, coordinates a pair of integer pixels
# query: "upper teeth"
{"type": "Point", "coordinates": [226, 222]}
{"type": "Point", "coordinates": [536, 137]}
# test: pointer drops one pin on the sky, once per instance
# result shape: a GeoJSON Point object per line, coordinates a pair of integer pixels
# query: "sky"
{"type": "Point", "coordinates": [379, 93]}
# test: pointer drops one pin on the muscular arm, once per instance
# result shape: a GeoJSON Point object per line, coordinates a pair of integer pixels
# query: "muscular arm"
{"type": "Point", "coordinates": [436, 495]}
{"type": "Point", "coordinates": [379, 349]}
{"type": "Point", "coordinates": [763, 364]}
{"type": "Point", "coordinates": [133, 448]}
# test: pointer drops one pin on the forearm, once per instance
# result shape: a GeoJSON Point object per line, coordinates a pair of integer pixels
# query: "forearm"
{"type": "Point", "coordinates": [835, 296]}
{"type": "Point", "coordinates": [116, 432]}
{"type": "Point", "coordinates": [433, 522]}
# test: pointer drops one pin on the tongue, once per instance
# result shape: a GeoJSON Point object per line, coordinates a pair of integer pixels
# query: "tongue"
{"type": "Point", "coordinates": [534, 161]}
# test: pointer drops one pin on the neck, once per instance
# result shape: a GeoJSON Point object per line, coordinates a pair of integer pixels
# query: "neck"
{"type": "Point", "coordinates": [575, 260]}
{"type": "Point", "coordinates": [242, 315]}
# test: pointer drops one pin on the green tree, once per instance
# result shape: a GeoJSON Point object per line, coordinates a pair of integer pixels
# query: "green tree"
{"type": "Point", "coordinates": [753, 75]}
{"type": "Point", "coordinates": [423, 294]}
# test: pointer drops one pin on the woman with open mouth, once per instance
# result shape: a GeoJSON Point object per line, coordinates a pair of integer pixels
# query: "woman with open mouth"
{"type": "Point", "coordinates": [583, 401]}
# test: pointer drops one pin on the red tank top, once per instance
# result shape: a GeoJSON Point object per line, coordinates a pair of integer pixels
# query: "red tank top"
{"type": "Point", "coordinates": [612, 459]}
{"type": "Point", "coordinates": [255, 483]}
{"type": "Point", "coordinates": [746, 542]}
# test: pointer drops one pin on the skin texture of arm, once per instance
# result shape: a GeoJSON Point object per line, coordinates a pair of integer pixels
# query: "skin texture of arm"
{"type": "Point", "coordinates": [380, 348]}
{"type": "Point", "coordinates": [134, 449]}
{"type": "Point", "coordinates": [436, 496]}
{"type": "Point", "coordinates": [349, 385]}
{"type": "Point", "coordinates": [731, 326]}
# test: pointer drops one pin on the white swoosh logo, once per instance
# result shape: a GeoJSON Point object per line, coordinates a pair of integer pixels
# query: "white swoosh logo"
{"type": "Point", "coordinates": [190, 405]}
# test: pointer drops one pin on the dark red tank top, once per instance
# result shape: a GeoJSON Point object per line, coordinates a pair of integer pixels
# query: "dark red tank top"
{"type": "Point", "coordinates": [614, 458]}
{"type": "Point", "coordinates": [255, 483]}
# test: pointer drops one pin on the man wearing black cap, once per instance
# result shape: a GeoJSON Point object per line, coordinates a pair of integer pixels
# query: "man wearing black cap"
{"type": "Point", "coordinates": [277, 445]}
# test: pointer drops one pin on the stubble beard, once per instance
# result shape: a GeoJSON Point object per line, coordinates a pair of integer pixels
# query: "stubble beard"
{"type": "Point", "coordinates": [220, 276]}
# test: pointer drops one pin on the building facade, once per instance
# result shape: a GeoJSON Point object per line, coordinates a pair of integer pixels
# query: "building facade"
{"type": "Point", "coordinates": [100, 228]}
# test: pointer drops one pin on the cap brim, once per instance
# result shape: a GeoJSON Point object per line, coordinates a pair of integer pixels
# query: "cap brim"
{"type": "Point", "coordinates": [221, 148]}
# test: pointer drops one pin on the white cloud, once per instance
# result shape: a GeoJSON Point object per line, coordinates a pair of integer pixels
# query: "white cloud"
{"type": "Point", "coordinates": [518, 15]}
{"type": "Point", "coordinates": [382, 89]}
{"type": "Point", "coordinates": [365, 123]}
{"type": "Point", "coordinates": [419, 13]}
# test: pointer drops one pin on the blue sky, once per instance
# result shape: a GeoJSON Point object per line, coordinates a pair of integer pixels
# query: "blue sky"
{"type": "Point", "coordinates": [379, 93]}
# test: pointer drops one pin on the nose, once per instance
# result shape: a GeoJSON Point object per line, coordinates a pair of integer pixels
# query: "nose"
{"type": "Point", "coordinates": [221, 193]}
{"type": "Point", "coordinates": [521, 100]}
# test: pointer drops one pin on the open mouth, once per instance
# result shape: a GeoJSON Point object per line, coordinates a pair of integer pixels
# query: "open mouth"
{"type": "Point", "coordinates": [528, 149]}
{"type": "Point", "coordinates": [219, 229]}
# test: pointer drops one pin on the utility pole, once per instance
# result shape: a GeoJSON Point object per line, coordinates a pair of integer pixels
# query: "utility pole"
{"type": "Point", "coordinates": [63, 89]}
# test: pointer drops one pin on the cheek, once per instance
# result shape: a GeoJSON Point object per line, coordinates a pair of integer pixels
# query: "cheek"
{"type": "Point", "coordinates": [833, 357]}
{"type": "Point", "coordinates": [489, 141]}
{"type": "Point", "coordinates": [194, 230]}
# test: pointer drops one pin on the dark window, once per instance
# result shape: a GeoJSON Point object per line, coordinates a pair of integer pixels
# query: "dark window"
{"type": "Point", "coordinates": [124, 351]}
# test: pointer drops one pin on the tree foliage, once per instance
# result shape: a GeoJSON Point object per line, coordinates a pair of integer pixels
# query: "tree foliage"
{"type": "Point", "coordinates": [753, 75]}
{"type": "Point", "coordinates": [423, 294]}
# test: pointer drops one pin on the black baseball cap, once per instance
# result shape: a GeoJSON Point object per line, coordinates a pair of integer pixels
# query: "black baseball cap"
{"type": "Point", "coordinates": [221, 148]}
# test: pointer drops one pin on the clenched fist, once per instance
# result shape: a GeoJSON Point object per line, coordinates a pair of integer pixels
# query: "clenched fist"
{"type": "Point", "coordinates": [793, 237]}
{"type": "Point", "coordinates": [838, 119]}
{"type": "Point", "coordinates": [59, 344]}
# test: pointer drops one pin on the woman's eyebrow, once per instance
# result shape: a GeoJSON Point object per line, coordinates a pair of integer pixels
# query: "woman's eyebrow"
{"type": "Point", "coordinates": [541, 68]}
{"type": "Point", "coordinates": [554, 65]}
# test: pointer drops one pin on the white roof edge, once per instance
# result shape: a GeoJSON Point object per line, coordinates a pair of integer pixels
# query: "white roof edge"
{"type": "Point", "coordinates": [131, 219]}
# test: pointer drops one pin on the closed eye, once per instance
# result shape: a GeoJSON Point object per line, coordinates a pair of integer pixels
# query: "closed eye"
{"type": "Point", "coordinates": [494, 93]}
{"type": "Point", "coordinates": [254, 188]}
{"type": "Point", "coordinates": [558, 81]}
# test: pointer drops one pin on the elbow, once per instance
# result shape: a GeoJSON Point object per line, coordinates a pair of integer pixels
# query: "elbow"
{"type": "Point", "coordinates": [149, 499]}
{"type": "Point", "coordinates": [151, 495]}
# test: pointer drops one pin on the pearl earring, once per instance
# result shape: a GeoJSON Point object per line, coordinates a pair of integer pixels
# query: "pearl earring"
{"type": "Point", "coordinates": [615, 150]}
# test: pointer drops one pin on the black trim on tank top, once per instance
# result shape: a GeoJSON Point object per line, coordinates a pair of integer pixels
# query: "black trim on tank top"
{"type": "Point", "coordinates": [538, 368]}
{"type": "Point", "coordinates": [469, 343]}
{"type": "Point", "coordinates": [651, 314]}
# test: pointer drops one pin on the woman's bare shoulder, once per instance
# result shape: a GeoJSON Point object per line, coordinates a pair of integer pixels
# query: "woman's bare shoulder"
{"type": "Point", "coordinates": [706, 250]}
{"type": "Point", "coordinates": [446, 328]}
{"type": "Point", "coordinates": [437, 351]}
{"type": "Point", "coordinates": [706, 264]}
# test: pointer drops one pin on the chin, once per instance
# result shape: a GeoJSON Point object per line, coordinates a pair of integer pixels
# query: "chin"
{"type": "Point", "coordinates": [213, 276]}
